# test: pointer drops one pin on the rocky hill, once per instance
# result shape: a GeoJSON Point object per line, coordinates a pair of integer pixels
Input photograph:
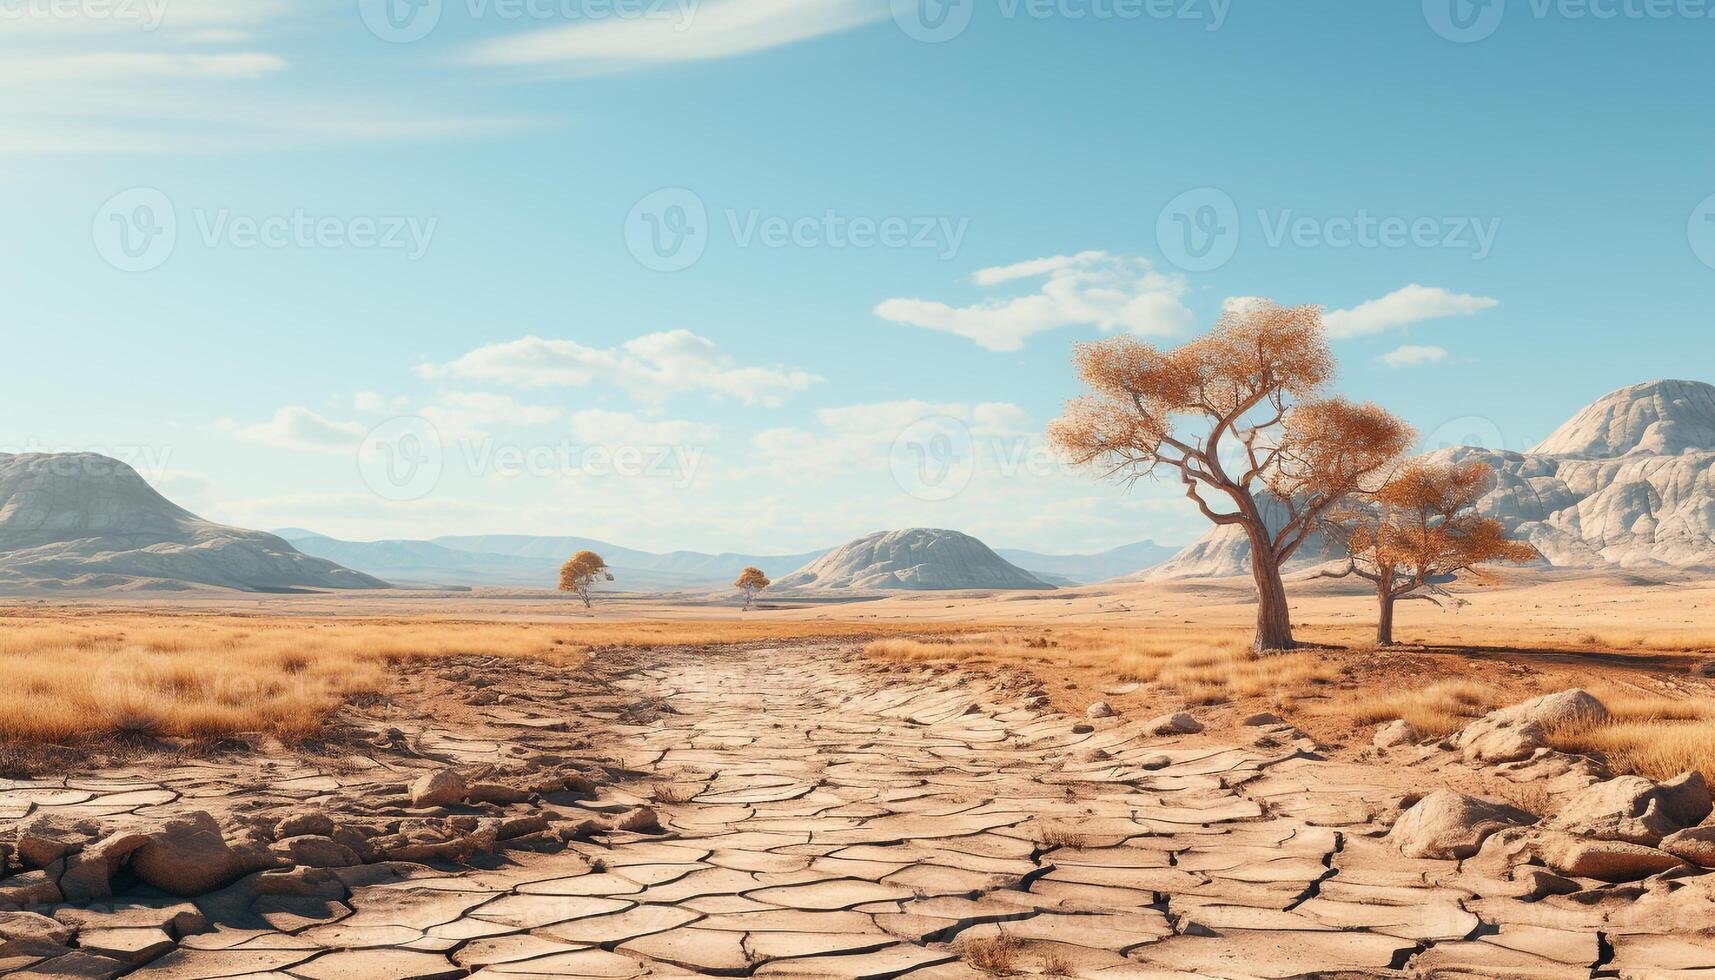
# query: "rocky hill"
{"type": "Point", "coordinates": [86, 521]}
{"type": "Point", "coordinates": [1629, 482]}
{"type": "Point", "coordinates": [914, 558]}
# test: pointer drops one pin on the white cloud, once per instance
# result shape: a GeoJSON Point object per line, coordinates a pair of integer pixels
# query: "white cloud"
{"type": "Point", "coordinates": [296, 427]}
{"type": "Point", "coordinates": [1090, 288]}
{"type": "Point", "coordinates": [1411, 354]}
{"type": "Point", "coordinates": [1402, 308]}
{"type": "Point", "coordinates": [133, 66]}
{"type": "Point", "coordinates": [471, 413]}
{"type": "Point", "coordinates": [602, 428]}
{"type": "Point", "coordinates": [861, 437]}
{"type": "Point", "coordinates": [694, 32]}
{"type": "Point", "coordinates": [651, 367]}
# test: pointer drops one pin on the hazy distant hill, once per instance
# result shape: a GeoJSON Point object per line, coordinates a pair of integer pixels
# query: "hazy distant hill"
{"type": "Point", "coordinates": [1083, 569]}
{"type": "Point", "coordinates": [87, 521]}
{"type": "Point", "coordinates": [912, 558]}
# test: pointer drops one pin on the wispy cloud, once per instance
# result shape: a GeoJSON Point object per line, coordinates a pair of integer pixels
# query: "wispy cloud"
{"type": "Point", "coordinates": [297, 428]}
{"type": "Point", "coordinates": [651, 367]}
{"type": "Point", "coordinates": [1413, 354]}
{"type": "Point", "coordinates": [702, 32]}
{"type": "Point", "coordinates": [1402, 308]}
{"type": "Point", "coordinates": [1111, 292]}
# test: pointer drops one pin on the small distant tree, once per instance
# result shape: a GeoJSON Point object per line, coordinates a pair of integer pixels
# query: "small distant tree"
{"type": "Point", "coordinates": [1238, 412]}
{"type": "Point", "coordinates": [750, 582]}
{"type": "Point", "coordinates": [582, 572]}
{"type": "Point", "coordinates": [1418, 532]}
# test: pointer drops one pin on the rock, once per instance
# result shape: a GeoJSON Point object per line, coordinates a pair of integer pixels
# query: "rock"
{"type": "Point", "coordinates": [445, 787]}
{"type": "Point", "coordinates": [1539, 883]}
{"type": "Point", "coordinates": [75, 965]}
{"type": "Point", "coordinates": [1083, 728]}
{"type": "Point", "coordinates": [1091, 753]}
{"type": "Point", "coordinates": [496, 793]}
{"type": "Point", "coordinates": [643, 820]}
{"type": "Point", "coordinates": [313, 851]}
{"type": "Point", "coordinates": [1262, 718]}
{"type": "Point", "coordinates": [1394, 734]}
{"type": "Point", "coordinates": [305, 822]}
{"type": "Point", "coordinates": [32, 934]}
{"type": "Point", "coordinates": [1515, 733]}
{"type": "Point", "coordinates": [1635, 810]}
{"type": "Point", "coordinates": [1154, 763]}
{"type": "Point", "coordinates": [48, 838]}
{"type": "Point", "coordinates": [88, 873]}
{"type": "Point", "coordinates": [1100, 709]}
{"type": "Point", "coordinates": [39, 887]}
{"type": "Point", "coordinates": [1448, 825]}
{"type": "Point", "coordinates": [190, 857]}
{"type": "Point", "coordinates": [1695, 845]}
{"type": "Point", "coordinates": [1605, 860]}
{"type": "Point", "coordinates": [1178, 723]}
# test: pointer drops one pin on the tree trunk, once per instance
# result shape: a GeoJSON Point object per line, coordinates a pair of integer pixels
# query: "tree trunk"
{"type": "Point", "coordinates": [1273, 615]}
{"type": "Point", "coordinates": [1384, 625]}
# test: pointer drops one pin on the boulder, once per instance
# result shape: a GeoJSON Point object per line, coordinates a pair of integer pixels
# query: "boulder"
{"type": "Point", "coordinates": [39, 887]}
{"type": "Point", "coordinates": [1635, 810]}
{"type": "Point", "coordinates": [1515, 733]}
{"type": "Point", "coordinates": [1178, 723]}
{"type": "Point", "coordinates": [190, 857]}
{"type": "Point", "coordinates": [312, 851]}
{"type": "Point", "coordinates": [1448, 825]}
{"type": "Point", "coordinates": [445, 787]}
{"type": "Point", "coordinates": [1263, 718]}
{"type": "Point", "coordinates": [89, 872]}
{"type": "Point", "coordinates": [642, 820]}
{"type": "Point", "coordinates": [1604, 860]}
{"type": "Point", "coordinates": [1100, 709]}
{"type": "Point", "coordinates": [1393, 734]}
{"type": "Point", "coordinates": [1694, 845]}
{"type": "Point", "coordinates": [305, 822]}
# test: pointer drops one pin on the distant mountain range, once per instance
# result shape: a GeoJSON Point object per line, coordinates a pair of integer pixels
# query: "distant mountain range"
{"type": "Point", "coordinates": [517, 560]}
{"type": "Point", "coordinates": [913, 558]}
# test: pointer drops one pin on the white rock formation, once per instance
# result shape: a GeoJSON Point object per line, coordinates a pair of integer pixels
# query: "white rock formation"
{"type": "Point", "coordinates": [85, 521]}
{"type": "Point", "coordinates": [913, 558]}
{"type": "Point", "coordinates": [1629, 482]}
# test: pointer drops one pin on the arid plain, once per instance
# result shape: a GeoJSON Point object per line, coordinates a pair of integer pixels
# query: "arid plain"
{"type": "Point", "coordinates": [1097, 781]}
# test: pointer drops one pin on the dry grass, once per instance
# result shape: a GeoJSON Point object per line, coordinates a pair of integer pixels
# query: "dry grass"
{"type": "Point", "coordinates": [1654, 736]}
{"type": "Point", "coordinates": [1050, 836]}
{"type": "Point", "coordinates": [1434, 710]}
{"type": "Point", "coordinates": [996, 955]}
{"type": "Point", "coordinates": [1205, 666]}
{"type": "Point", "coordinates": [1057, 964]}
{"type": "Point", "coordinates": [70, 678]}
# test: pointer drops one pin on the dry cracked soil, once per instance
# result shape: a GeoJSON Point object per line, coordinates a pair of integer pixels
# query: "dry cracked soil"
{"type": "Point", "coordinates": [820, 816]}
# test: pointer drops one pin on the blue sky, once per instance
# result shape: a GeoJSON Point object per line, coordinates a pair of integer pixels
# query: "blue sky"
{"type": "Point", "coordinates": [884, 246]}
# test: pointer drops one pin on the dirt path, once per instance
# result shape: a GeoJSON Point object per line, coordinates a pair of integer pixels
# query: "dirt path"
{"type": "Point", "coordinates": [826, 817]}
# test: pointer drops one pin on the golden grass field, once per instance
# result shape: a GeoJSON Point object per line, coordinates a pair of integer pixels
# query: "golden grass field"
{"type": "Point", "coordinates": [280, 666]}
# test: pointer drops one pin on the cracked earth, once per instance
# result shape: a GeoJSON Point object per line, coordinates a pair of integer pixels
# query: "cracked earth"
{"type": "Point", "coordinates": [830, 817]}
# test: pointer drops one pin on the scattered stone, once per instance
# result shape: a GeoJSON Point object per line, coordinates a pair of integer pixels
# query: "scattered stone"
{"type": "Point", "coordinates": [305, 823]}
{"type": "Point", "coordinates": [313, 851]}
{"type": "Point", "coordinates": [1394, 734]}
{"type": "Point", "coordinates": [1635, 810]}
{"type": "Point", "coordinates": [1446, 824]}
{"type": "Point", "coordinates": [497, 794]}
{"type": "Point", "coordinates": [444, 787]}
{"type": "Point", "coordinates": [190, 857]}
{"type": "Point", "coordinates": [1100, 709]}
{"type": "Point", "coordinates": [1695, 845]}
{"type": "Point", "coordinates": [48, 838]}
{"type": "Point", "coordinates": [1514, 733]}
{"type": "Point", "coordinates": [32, 934]}
{"type": "Point", "coordinates": [1604, 860]}
{"type": "Point", "coordinates": [1262, 718]}
{"type": "Point", "coordinates": [75, 965]}
{"type": "Point", "coordinates": [643, 820]}
{"type": "Point", "coordinates": [1154, 763]}
{"type": "Point", "coordinates": [89, 873]}
{"type": "Point", "coordinates": [1178, 723]}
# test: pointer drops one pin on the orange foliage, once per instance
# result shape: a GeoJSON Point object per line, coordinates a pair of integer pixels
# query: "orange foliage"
{"type": "Point", "coordinates": [581, 572]}
{"type": "Point", "coordinates": [750, 582]}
